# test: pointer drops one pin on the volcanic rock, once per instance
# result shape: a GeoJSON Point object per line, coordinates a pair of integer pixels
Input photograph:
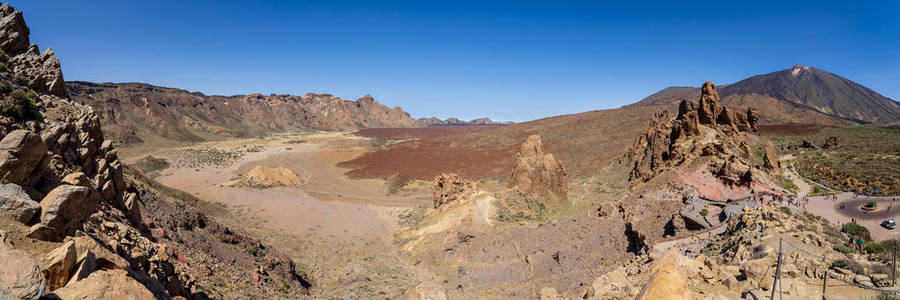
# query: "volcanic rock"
{"type": "Point", "coordinates": [15, 202]}
{"type": "Point", "coordinates": [106, 284]}
{"type": "Point", "coordinates": [448, 188]}
{"type": "Point", "coordinates": [13, 31]}
{"type": "Point", "coordinates": [667, 281]}
{"type": "Point", "coordinates": [67, 206]}
{"type": "Point", "coordinates": [770, 160]}
{"type": "Point", "coordinates": [58, 265]}
{"type": "Point", "coordinates": [77, 178]}
{"type": "Point", "coordinates": [537, 173]}
{"type": "Point", "coordinates": [708, 105]}
{"type": "Point", "coordinates": [20, 274]}
{"type": "Point", "coordinates": [669, 143]}
{"type": "Point", "coordinates": [21, 152]}
{"type": "Point", "coordinates": [41, 71]}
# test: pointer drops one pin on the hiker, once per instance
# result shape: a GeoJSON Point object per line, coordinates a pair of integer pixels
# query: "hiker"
{"type": "Point", "coordinates": [859, 243]}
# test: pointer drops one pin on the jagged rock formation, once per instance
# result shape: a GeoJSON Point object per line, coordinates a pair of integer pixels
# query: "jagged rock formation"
{"type": "Point", "coordinates": [105, 236]}
{"type": "Point", "coordinates": [701, 128]}
{"type": "Point", "coordinates": [770, 160]}
{"type": "Point", "coordinates": [537, 173]}
{"type": "Point", "coordinates": [449, 188]}
{"type": "Point", "coordinates": [30, 67]}
{"type": "Point", "coordinates": [435, 122]}
{"type": "Point", "coordinates": [136, 112]}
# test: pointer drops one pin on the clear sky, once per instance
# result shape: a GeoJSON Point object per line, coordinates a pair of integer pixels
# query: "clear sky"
{"type": "Point", "coordinates": [508, 60]}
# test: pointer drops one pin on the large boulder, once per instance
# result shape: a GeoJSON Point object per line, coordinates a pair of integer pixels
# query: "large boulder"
{"type": "Point", "coordinates": [20, 274]}
{"type": "Point", "coordinates": [66, 207]}
{"type": "Point", "coordinates": [448, 188]}
{"type": "Point", "coordinates": [106, 284]}
{"type": "Point", "coordinates": [87, 248]}
{"type": "Point", "coordinates": [537, 173]}
{"type": "Point", "coordinates": [16, 203]}
{"type": "Point", "coordinates": [21, 152]}
{"type": "Point", "coordinates": [13, 31]}
{"type": "Point", "coordinates": [667, 280]}
{"type": "Point", "coordinates": [58, 265]}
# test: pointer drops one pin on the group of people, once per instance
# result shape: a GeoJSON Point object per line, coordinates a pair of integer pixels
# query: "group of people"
{"type": "Point", "coordinates": [779, 200]}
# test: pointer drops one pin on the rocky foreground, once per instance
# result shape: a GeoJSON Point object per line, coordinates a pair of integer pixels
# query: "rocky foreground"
{"type": "Point", "coordinates": [741, 263]}
{"type": "Point", "coordinates": [74, 225]}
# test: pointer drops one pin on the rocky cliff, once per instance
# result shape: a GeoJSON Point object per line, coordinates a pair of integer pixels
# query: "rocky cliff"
{"type": "Point", "coordinates": [136, 112]}
{"type": "Point", "coordinates": [73, 225]}
{"type": "Point", "coordinates": [435, 122]}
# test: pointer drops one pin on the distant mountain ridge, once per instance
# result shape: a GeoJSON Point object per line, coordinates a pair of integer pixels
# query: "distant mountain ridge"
{"type": "Point", "coordinates": [435, 122]}
{"type": "Point", "coordinates": [800, 94]}
{"type": "Point", "coordinates": [137, 112]}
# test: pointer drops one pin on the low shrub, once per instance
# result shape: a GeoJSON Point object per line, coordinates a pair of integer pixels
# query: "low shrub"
{"type": "Point", "coordinates": [842, 249]}
{"type": "Point", "coordinates": [21, 106]}
{"type": "Point", "coordinates": [874, 248]}
{"type": "Point", "coordinates": [857, 230]}
{"type": "Point", "coordinates": [786, 210]}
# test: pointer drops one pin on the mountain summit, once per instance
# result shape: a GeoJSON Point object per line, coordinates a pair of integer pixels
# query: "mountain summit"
{"type": "Point", "coordinates": [800, 94]}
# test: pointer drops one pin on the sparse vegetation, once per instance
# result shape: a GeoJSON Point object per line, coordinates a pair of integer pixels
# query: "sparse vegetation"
{"type": "Point", "coordinates": [786, 210]}
{"type": "Point", "coordinates": [843, 249]}
{"type": "Point", "coordinates": [20, 105]}
{"type": "Point", "coordinates": [704, 212]}
{"type": "Point", "coordinates": [866, 159]}
{"type": "Point", "coordinates": [857, 230]}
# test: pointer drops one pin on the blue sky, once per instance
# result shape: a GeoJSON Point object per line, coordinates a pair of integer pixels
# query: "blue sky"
{"type": "Point", "coordinates": [508, 60]}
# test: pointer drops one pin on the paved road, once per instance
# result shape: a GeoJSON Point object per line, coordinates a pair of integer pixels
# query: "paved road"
{"type": "Point", "coordinates": [829, 209]}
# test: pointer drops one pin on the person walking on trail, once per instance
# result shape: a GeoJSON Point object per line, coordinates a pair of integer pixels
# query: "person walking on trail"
{"type": "Point", "coordinates": [859, 243]}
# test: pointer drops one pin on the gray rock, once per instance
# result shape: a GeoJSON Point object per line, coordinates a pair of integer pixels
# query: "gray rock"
{"type": "Point", "coordinates": [15, 202]}
{"type": "Point", "coordinates": [21, 152]}
{"type": "Point", "coordinates": [20, 274]}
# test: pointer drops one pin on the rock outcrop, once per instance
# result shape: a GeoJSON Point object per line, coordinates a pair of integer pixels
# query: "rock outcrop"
{"type": "Point", "coordinates": [20, 153]}
{"type": "Point", "coordinates": [449, 188]}
{"type": "Point", "coordinates": [701, 128]}
{"type": "Point", "coordinates": [537, 173]}
{"type": "Point", "coordinates": [770, 159]}
{"type": "Point", "coordinates": [40, 71]}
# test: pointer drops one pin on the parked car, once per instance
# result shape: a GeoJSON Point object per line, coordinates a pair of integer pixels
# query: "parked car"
{"type": "Point", "coordinates": [889, 224]}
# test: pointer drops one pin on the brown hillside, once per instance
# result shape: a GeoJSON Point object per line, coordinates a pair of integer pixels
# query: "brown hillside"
{"type": "Point", "coordinates": [136, 112]}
